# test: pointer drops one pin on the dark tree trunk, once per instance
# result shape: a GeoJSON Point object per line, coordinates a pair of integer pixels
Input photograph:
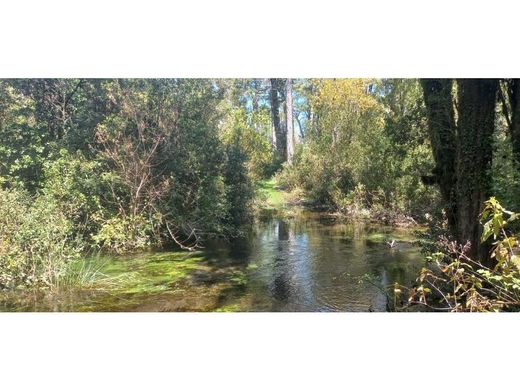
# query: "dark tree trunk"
{"type": "Point", "coordinates": [441, 118]}
{"type": "Point", "coordinates": [476, 123]}
{"type": "Point", "coordinates": [279, 138]}
{"type": "Point", "coordinates": [462, 152]}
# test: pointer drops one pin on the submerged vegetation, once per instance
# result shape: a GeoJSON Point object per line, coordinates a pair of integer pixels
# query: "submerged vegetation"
{"type": "Point", "coordinates": [118, 166]}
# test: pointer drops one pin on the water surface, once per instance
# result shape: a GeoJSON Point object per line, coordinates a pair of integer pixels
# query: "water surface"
{"type": "Point", "coordinates": [298, 262]}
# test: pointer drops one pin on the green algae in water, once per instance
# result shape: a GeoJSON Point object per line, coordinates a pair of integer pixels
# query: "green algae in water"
{"type": "Point", "coordinates": [152, 273]}
{"type": "Point", "coordinates": [379, 237]}
{"type": "Point", "coordinates": [239, 279]}
{"type": "Point", "coordinates": [121, 283]}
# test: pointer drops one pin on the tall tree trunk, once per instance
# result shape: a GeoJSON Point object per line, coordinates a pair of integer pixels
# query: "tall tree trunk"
{"type": "Point", "coordinates": [441, 119]}
{"type": "Point", "coordinates": [279, 139]}
{"type": "Point", "coordinates": [476, 123]}
{"type": "Point", "coordinates": [289, 119]}
{"type": "Point", "coordinates": [462, 152]}
{"type": "Point", "coordinates": [255, 85]}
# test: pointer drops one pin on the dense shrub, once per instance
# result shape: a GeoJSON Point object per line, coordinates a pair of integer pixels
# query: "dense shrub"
{"type": "Point", "coordinates": [118, 165]}
{"type": "Point", "coordinates": [239, 186]}
{"type": "Point", "coordinates": [74, 182]}
{"type": "Point", "coordinates": [123, 234]}
{"type": "Point", "coordinates": [37, 240]}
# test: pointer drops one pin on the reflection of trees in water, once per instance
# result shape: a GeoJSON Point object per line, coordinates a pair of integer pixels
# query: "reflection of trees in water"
{"type": "Point", "coordinates": [281, 281]}
{"type": "Point", "coordinates": [291, 282]}
{"type": "Point", "coordinates": [281, 290]}
{"type": "Point", "coordinates": [379, 301]}
{"type": "Point", "coordinates": [283, 230]}
{"type": "Point", "coordinates": [237, 251]}
{"type": "Point", "coordinates": [311, 266]}
{"type": "Point", "coordinates": [394, 267]}
{"type": "Point", "coordinates": [240, 250]}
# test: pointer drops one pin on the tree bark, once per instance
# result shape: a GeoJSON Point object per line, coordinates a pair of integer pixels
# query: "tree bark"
{"type": "Point", "coordinates": [462, 152]}
{"type": "Point", "coordinates": [476, 123]}
{"type": "Point", "coordinates": [279, 139]}
{"type": "Point", "coordinates": [255, 93]}
{"type": "Point", "coordinates": [289, 119]}
{"type": "Point", "coordinates": [441, 119]}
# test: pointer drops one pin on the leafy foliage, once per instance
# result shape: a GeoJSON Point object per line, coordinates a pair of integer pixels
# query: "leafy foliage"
{"type": "Point", "coordinates": [38, 240]}
{"type": "Point", "coordinates": [456, 282]}
{"type": "Point", "coordinates": [120, 165]}
{"type": "Point", "coordinates": [356, 155]}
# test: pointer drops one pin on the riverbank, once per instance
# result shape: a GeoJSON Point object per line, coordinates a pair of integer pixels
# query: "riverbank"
{"type": "Point", "coordinates": [271, 196]}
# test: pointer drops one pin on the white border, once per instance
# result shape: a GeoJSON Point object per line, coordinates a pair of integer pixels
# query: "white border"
{"type": "Point", "coordinates": [258, 351]}
{"type": "Point", "coordinates": [231, 38]}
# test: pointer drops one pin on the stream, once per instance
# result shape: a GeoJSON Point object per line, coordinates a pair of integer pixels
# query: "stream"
{"type": "Point", "coordinates": [300, 261]}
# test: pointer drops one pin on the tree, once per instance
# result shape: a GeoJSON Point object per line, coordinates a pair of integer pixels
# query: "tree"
{"type": "Point", "coordinates": [409, 144]}
{"type": "Point", "coordinates": [334, 157]}
{"type": "Point", "coordinates": [129, 144]}
{"type": "Point", "coordinates": [302, 107]}
{"type": "Point", "coordinates": [54, 103]}
{"type": "Point", "coordinates": [279, 135]}
{"type": "Point", "coordinates": [462, 150]}
{"type": "Point", "coordinates": [289, 120]}
{"type": "Point", "coordinates": [438, 99]}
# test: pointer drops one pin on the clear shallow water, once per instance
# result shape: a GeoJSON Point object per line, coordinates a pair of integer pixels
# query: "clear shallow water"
{"type": "Point", "coordinates": [305, 262]}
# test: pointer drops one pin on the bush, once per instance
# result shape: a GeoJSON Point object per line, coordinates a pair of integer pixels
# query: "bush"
{"type": "Point", "coordinates": [455, 282]}
{"type": "Point", "coordinates": [13, 211]}
{"type": "Point", "coordinates": [239, 187]}
{"type": "Point", "coordinates": [75, 183]}
{"type": "Point", "coordinates": [37, 240]}
{"type": "Point", "coordinates": [311, 172]}
{"type": "Point", "coordinates": [122, 234]}
{"type": "Point", "coordinates": [357, 157]}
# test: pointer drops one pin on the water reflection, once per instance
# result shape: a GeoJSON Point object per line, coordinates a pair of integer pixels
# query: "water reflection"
{"type": "Point", "coordinates": [304, 264]}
